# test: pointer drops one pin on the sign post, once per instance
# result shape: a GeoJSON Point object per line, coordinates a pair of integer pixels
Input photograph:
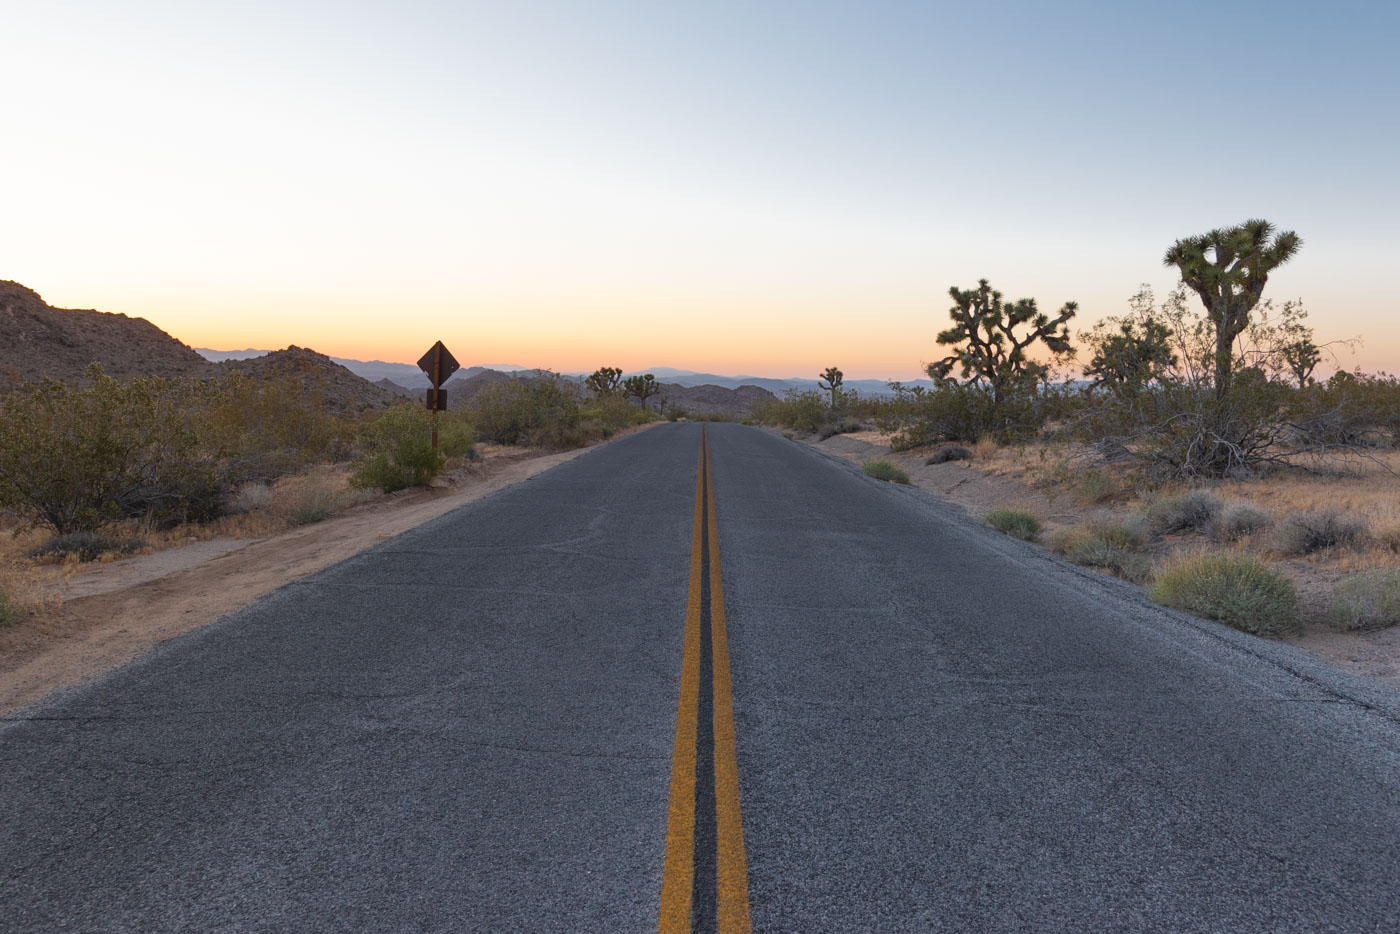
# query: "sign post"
{"type": "Point", "coordinates": [439, 364]}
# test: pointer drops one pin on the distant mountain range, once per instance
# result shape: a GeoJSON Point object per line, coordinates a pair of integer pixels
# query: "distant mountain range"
{"type": "Point", "coordinates": [409, 376]}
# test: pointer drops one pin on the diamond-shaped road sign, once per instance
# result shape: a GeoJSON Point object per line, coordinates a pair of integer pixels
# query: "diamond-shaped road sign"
{"type": "Point", "coordinates": [439, 364]}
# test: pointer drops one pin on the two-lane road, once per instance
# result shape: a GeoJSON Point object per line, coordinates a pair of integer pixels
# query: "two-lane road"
{"type": "Point", "coordinates": [668, 685]}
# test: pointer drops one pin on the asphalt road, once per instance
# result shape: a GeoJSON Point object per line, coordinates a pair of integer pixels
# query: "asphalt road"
{"type": "Point", "coordinates": [474, 727]}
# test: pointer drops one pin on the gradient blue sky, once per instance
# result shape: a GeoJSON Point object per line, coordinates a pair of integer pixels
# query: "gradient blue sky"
{"type": "Point", "coordinates": [768, 188]}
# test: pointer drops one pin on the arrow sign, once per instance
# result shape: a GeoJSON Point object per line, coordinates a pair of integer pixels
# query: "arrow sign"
{"type": "Point", "coordinates": [439, 364]}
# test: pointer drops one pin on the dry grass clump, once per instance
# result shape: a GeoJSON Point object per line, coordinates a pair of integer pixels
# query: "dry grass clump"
{"type": "Point", "coordinates": [1014, 522]}
{"type": "Point", "coordinates": [1309, 532]}
{"type": "Point", "coordinates": [1237, 522]}
{"type": "Point", "coordinates": [312, 497]}
{"type": "Point", "coordinates": [1111, 545]}
{"type": "Point", "coordinates": [1368, 600]}
{"type": "Point", "coordinates": [1191, 511]}
{"type": "Point", "coordinates": [985, 448]}
{"type": "Point", "coordinates": [22, 594]}
{"type": "Point", "coordinates": [1236, 589]}
{"type": "Point", "coordinates": [84, 546]}
{"type": "Point", "coordinates": [1094, 487]}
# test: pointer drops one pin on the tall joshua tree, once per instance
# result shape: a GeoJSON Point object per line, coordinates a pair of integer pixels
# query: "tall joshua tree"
{"type": "Point", "coordinates": [1228, 269]}
{"type": "Point", "coordinates": [986, 345]}
{"type": "Point", "coordinates": [830, 381]}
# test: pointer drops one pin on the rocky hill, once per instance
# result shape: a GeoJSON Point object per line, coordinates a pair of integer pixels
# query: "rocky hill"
{"type": "Point", "coordinates": [715, 400]}
{"type": "Point", "coordinates": [342, 391]}
{"type": "Point", "coordinates": [38, 341]}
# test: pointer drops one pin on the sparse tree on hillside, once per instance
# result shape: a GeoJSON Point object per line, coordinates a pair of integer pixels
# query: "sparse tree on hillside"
{"type": "Point", "coordinates": [604, 381]}
{"type": "Point", "coordinates": [1228, 268]}
{"type": "Point", "coordinates": [830, 381]}
{"type": "Point", "coordinates": [642, 388]}
{"type": "Point", "coordinates": [987, 349]}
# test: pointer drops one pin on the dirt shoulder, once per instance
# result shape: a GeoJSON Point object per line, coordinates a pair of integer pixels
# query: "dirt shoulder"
{"type": "Point", "coordinates": [977, 487]}
{"type": "Point", "coordinates": [113, 613]}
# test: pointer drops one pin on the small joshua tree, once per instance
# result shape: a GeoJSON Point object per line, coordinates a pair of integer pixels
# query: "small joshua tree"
{"type": "Point", "coordinates": [988, 351]}
{"type": "Point", "coordinates": [604, 381]}
{"type": "Point", "coordinates": [642, 387]}
{"type": "Point", "coordinates": [1228, 268]}
{"type": "Point", "coordinates": [830, 381]}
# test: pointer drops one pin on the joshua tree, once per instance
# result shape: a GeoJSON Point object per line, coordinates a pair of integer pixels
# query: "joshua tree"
{"type": "Point", "coordinates": [1228, 268]}
{"type": "Point", "coordinates": [643, 387]}
{"type": "Point", "coordinates": [830, 381]}
{"type": "Point", "coordinates": [986, 346]}
{"type": "Point", "coordinates": [604, 381]}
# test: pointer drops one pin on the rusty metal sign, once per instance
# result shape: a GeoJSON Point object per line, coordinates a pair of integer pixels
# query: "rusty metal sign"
{"type": "Point", "coordinates": [439, 364]}
{"type": "Point", "coordinates": [437, 400]}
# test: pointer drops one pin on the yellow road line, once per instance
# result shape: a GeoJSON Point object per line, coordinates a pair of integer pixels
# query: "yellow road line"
{"type": "Point", "coordinates": [680, 829]}
{"type": "Point", "coordinates": [733, 872]}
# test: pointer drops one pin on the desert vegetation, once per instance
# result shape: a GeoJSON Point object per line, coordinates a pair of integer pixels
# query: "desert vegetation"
{"type": "Point", "coordinates": [102, 468]}
{"type": "Point", "coordinates": [1196, 451]}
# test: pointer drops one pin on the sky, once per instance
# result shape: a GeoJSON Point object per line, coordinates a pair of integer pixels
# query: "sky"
{"type": "Point", "coordinates": [767, 188]}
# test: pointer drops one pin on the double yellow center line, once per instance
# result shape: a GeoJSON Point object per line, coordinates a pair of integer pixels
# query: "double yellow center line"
{"type": "Point", "coordinates": [705, 887]}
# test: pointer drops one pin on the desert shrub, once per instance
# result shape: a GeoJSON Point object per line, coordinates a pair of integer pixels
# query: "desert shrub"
{"type": "Point", "coordinates": [265, 429]}
{"type": "Point", "coordinates": [10, 611]}
{"type": "Point", "coordinates": [1235, 589]}
{"type": "Point", "coordinates": [958, 412]}
{"type": "Point", "coordinates": [1094, 487]}
{"type": "Point", "coordinates": [803, 411]}
{"type": "Point", "coordinates": [86, 546]}
{"type": "Point", "coordinates": [1306, 532]}
{"type": "Point", "coordinates": [1386, 535]}
{"type": "Point", "coordinates": [1368, 600]}
{"type": "Point", "coordinates": [610, 414]}
{"type": "Point", "coordinates": [541, 411]}
{"type": "Point", "coordinates": [398, 450]}
{"type": "Point", "coordinates": [675, 413]}
{"type": "Point", "coordinates": [884, 470]}
{"type": "Point", "coordinates": [1014, 522]}
{"type": "Point", "coordinates": [1103, 543]}
{"type": "Point", "coordinates": [73, 459]}
{"type": "Point", "coordinates": [1237, 521]}
{"type": "Point", "coordinates": [249, 497]}
{"type": "Point", "coordinates": [455, 436]}
{"type": "Point", "coordinates": [949, 452]}
{"type": "Point", "coordinates": [841, 426]}
{"type": "Point", "coordinates": [1186, 512]}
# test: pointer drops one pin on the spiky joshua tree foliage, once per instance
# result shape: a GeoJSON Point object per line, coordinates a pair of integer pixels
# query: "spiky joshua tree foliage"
{"type": "Point", "coordinates": [641, 388]}
{"type": "Point", "coordinates": [988, 350]}
{"type": "Point", "coordinates": [830, 381]}
{"type": "Point", "coordinates": [604, 381]}
{"type": "Point", "coordinates": [1228, 268]}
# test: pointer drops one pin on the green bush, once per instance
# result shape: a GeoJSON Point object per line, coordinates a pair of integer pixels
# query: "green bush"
{"type": "Point", "coordinates": [1187, 512]}
{"type": "Point", "coordinates": [1307, 532]}
{"type": "Point", "coordinates": [804, 412]}
{"type": "Point", "coordinates": [1235, 589]}
{"type": "Point", "coordinates": [1368, 600]}
{"type": "Point", "coordinates": [609, 414]}
{"type": "Point", "coordinates": [262, 430]}
{"type": "Point", "coordinates": [541, 411]}
{"type": "Point", "coordinates": [398, 450]}
{"type": "Point", "coordinates": [884, 470]}
{"type": "Point", "coordinates": [1014, 522]}
{"type": "Point", "coordinates": [73, 459]}
{"type": "Point", "coordinates": [455, 436]}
